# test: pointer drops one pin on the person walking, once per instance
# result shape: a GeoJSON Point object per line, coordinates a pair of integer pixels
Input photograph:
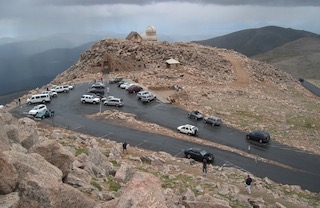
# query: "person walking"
{"type": "Point", "coordinates": [205, 166]}
{"type": "Point", "coordinates": [124, 147]}
{"type": "Point", "coordinates": [248, 184]}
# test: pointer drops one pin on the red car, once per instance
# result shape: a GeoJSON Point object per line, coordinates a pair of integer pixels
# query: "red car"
{"type": "Point", "coordinates": [134, 89]}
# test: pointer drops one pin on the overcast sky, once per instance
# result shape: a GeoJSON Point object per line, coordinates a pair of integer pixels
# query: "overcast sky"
{"type": "Point", "coordinates": [210, 18]}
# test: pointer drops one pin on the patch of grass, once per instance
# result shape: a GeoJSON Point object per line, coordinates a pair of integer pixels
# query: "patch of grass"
{"type": "Point", "coordinates": [248, 114]}
{"type": "Point", "coordinates": [107, 154]}
{"type": "Point", "coordinates": [96, 184]}
{"type": "Point", "coordinates": [311, 199]}
{"type": "Point", "coordinates": [299, 121]}
{"type": "Point", "coordinates": [181, 182]}
{"type": "Point", "coordinates": [115, 163]}
{"type": "Point", "coordinates": [114, 186]}
{"type": "Point", "coordinates": [81, 150]}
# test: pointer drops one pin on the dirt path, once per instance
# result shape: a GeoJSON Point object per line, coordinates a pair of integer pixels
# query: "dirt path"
{"type": "Point", "coordinates": [241, 74]}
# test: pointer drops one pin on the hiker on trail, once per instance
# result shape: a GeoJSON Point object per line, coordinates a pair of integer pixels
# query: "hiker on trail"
{"type": "Point", "coordinates": [124, 147]}
{"type": "Point", "coordinates": [248, 184]}
{"type": "Point", "coordinates": [205, 166]}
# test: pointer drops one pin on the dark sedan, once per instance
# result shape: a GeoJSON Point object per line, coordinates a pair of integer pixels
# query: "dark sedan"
{"type": "Point", "coordinates": [199, 154]}
{"type": "Point", "coordinates": [134, 89]}
{"type": "Point", "coordinates": [44, 114]}
{"type": "Point", "coordinates": [260, 136]}
{"type": "Point", "coordinates": [96, 91]}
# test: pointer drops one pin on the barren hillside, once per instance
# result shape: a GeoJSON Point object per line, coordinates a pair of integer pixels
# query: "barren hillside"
{"type": "Point", "coordinates": [246, 94]}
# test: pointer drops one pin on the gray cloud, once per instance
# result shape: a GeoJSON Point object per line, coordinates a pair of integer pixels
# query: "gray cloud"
{"type": "Point", "coordinates": [217, 2]}
{"type": "Point", "coordinates": [171, 17]}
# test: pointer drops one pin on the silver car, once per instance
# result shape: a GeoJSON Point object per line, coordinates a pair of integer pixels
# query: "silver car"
{"type": "Point", "coordinates": [113, 102]}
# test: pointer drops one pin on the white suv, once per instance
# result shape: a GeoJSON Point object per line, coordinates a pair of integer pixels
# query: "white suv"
{"type": "Point", "coordinates": [142, 93]}
{"type": "Point", "coordinates": [36, 109]}
{"type": "Point", "coordinates": [188, 129]}
{"type": "Point", "coordinates": [60, 89]}
{"type": "Point", "coordinates": [147, 98]}
{"type": "Point", "coordinates": [90, 99]}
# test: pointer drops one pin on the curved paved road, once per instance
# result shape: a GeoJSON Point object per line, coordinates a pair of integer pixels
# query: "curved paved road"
{"type": "Point", "coordinates": [305, 167]}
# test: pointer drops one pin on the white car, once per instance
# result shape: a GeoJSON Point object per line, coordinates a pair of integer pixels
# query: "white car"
{"type": "Point", "coordinates": [147, 98]}
{"type": "Point", "coordinates": [125, 85]}
{"type": "Point", "coordinates": [90, 99]}
{"type": "Point", "coordinates": [188, 129]}
{"type": "Point", "coordinates": [142, 93]}
{"type": "Point", "coordinates": [50, 93]}
{"type": "Point", "coordinates": [71, 87]}
{"type": "Point", "coordinates": [60, 89]}
{"type": "Point", "coordinates": [36, 109]}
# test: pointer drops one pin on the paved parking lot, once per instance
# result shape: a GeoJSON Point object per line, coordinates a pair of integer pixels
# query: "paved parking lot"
{"type": "Point", "coordinates": [70, 113]}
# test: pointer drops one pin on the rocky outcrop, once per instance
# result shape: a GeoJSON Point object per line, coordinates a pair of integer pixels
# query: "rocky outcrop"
{"type": "Point", "coordinates": [56, 154]}
{"type": "Point", "coordinates": [143, 190]}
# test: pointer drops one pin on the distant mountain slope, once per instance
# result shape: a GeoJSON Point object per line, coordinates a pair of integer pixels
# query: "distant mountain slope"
{"type": "Point", "coordinates": [19, 73]}
{"type": "Point", "coordinates": [300, 58]}
{"type": "Point", "coordinates": [256, 41]}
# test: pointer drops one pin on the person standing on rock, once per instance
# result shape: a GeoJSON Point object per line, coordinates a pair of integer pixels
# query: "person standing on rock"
{"type": "Point", "coordinates": [205, 166]}
{"type": "Point", "coordinates": [248, 184]}
{"type": "Point", "coordinates": [124, 147]}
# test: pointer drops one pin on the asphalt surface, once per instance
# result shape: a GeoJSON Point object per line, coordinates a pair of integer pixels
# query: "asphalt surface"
{"type": "Point", "coordinates": [304, 167]}
{"type": "Point", "coordinates": [311, 87]}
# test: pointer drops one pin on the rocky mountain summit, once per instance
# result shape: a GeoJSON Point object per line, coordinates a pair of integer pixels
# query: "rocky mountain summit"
{"type": "Point", "coordinates": [43, 166]}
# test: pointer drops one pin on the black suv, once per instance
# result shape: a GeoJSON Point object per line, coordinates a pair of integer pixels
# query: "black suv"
{"type": "Point", "coordinates": [96, 91]}
{"type": "Point", "coordinates": [199, 155]}
{"type": "Point", "coordinates": [260, 136]}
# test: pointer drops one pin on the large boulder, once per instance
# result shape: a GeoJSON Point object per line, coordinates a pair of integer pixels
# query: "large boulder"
{"type": "Point", "coordinates": [9, 176]}
{"type": "Point", "coordinates": [32, 163]}
{"type": "Point", "coordinates": [95, 163]}
{"type": "Point", "coordinates": [10, 200]}
{"type": "Point", "coordinates": [4, 141]}
{"type": "Point", "coordinates": [56, 154]}
{"type": "Point", "coordinates": [45, 191]}
{"type": "Point", "coordinates": [143, 190]}
{"type": "Point", "coordinates": [124, 173]}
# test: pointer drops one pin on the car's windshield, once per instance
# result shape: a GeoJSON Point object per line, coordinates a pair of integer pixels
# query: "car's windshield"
{"type": "Point", "coordinates": [203, 152]}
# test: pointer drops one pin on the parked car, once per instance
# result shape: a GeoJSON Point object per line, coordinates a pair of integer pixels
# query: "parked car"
{"type": "Point", "coordinates": [121, 82]}
{"type": "Point", "coordinates": [115, 80]}
{"type": "Point", "coordinates": [109, 97]}
{"type": "Point", "coordinates": [134, 89]}
{"type": "Point", "coordinates": [195, 114]}
{"type": "Point", "coordinates": [142, 93]}
{"type": "Point", "coordinates": [59, 88]}
{"type": "Point", "coordinates": [70, 87]}
{"type": "Point", "coordinates": [96, 91]}
{"type": "Point", "coordinates": [90, 99]}
{"type": "Point", "coordinates": [50, 93]}
{"type": "Point", "coordinates": [98, 85]}
{"type": "Point", "coordinates": [114, 102]}
{"type": "Point", "coordinates": [260, 136]}
{"type": "Point", "coordinates": [39, 98]}
{"type": "Point", "coordinates": [125, 84]}
{"type": "Point", "coordinates": [44, 114]}
{"type": "Point", "coordinates": [199, 155]}
{"type": "Point", "coordinates": [36, 109]}
{"type": "Point", "coordinates": [148, 98]}
{"type": "Point", "coordinates": [188, 129]}
{"type": "Point", "coordinates": [213, 120]}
